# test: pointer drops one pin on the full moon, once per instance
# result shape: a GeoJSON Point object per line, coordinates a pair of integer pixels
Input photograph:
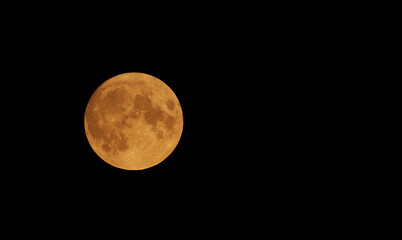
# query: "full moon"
{"type": "Point", "coordinates": [133, 121]}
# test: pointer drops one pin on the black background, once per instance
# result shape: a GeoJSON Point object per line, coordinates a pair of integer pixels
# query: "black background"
{"type": "Point", "coordinates": [256, 125]}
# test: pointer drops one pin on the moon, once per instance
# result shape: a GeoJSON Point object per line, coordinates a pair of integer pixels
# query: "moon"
{"type": "Point", "coordinates": [133, 121]}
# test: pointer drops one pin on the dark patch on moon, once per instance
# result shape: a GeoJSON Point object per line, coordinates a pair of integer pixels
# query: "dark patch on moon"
{"type": "Point", "coordinates": [142, 102]}
{"type": "Point", "coordinates": [112, 103]}
{"type": "Point", "coordinates": [134, 114]}
{"type": "Point", "coordinates": [121, 142]}
{"type": "Point", "coordinates": [99, 127]}
{"type": "Point", "coordinates": [170, 122]}
{"type": "Point", "coordinates": [114, 142]}
{"type": "Point", "coordinates": [170, 104]}
{"type": "Point", "coordinates": [154, 115]}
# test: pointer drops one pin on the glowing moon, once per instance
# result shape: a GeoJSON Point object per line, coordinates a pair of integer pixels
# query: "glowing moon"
{"type": "Point", "coordinates": [133, 121]}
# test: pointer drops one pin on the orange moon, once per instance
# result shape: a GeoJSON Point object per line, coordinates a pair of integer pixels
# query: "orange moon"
{"type": "Point", "coordinates": [133, 121]}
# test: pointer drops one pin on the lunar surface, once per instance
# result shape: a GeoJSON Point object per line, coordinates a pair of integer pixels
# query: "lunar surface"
{"type": "Point", "coordinates": [133, 121]}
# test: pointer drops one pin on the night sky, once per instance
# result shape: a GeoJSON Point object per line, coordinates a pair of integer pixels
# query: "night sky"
{"type": "Point", "coordinates": [265, 94]}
